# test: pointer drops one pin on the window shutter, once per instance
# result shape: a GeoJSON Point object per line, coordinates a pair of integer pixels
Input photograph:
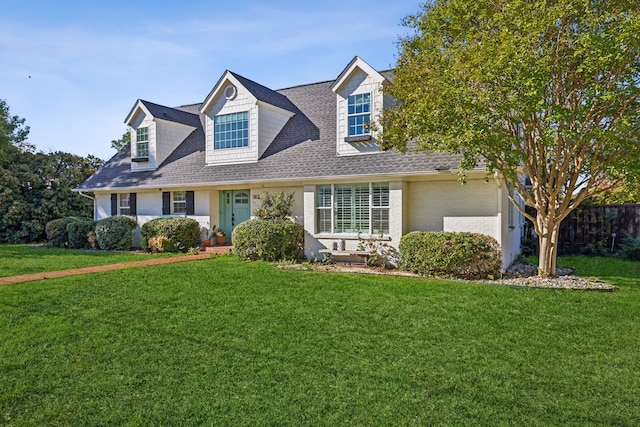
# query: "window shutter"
{"type": "Point", "coordinates": [114, 204]}
{"type": "Point", "coordinates": [190, 203]}
{"type": "Point", "coordinates": [133, 208]}
{"type": "Point", "coordinates": [166, 203]}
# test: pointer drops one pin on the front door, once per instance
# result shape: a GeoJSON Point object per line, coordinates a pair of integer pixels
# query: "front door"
{"type": "Point", "coordinates": [234, 209]}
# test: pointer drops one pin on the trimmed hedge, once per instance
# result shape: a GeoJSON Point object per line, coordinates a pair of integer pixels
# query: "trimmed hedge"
{"type": "Point", "coordinates": [57, 234]}
{"type": "Point", "coordinates": [78, 232]}
{"type": "Point", "coordinates": [268, 240]}
{"type": "Point", "coordinates": [447, 254]}
{"type": "Point", "coordinates": [180, 234]}
{"type": "Point", "coordinates": [115, 233]}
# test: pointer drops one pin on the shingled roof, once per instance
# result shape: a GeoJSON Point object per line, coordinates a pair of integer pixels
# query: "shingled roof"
{"type": "Point", "coordinates": [305, 150]}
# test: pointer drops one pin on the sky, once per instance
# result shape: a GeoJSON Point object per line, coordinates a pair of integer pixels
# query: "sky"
{"type": "Point", "coordinates": [74, 69]}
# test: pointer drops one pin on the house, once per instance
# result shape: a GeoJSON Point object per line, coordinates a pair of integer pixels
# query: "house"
{"type": "Point", "coordinates": [211, 161]}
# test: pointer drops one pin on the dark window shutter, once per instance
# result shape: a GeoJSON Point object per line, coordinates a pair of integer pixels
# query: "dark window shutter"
{"type": "Point", "coordinates": [166, 203]}
{"type": "Point", "coordinates": [114, 204]}
{"type": "Point", "coordinates": [133, 207]}
{"type": "Point", "coordinates": [190, 203]}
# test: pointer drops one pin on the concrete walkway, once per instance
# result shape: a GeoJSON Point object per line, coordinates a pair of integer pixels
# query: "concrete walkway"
{"type": "Point", "coordinates": [111, 267]}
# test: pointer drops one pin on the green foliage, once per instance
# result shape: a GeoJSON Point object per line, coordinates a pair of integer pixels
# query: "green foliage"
{"type": "Point", "coordinates": [631, 247]}
{"type": "Point", "coordinates": [119, 144]}
{"type": "Point", "coordinates": [115, 233]}
{"type": "Point", "coordinates": [78, 232]}
{"type": "Point", "coordinates": [446, 254]}
{"type": "Point", "coordinates": [57, 236]}
{"type": "Point", "coordinates": [274, 206]}
{"type": "Point", "coordinates": [180, 234]}
{"type": "Point", "coordinates": [550, 89]}
{"type": "Point", "coordinates": [13, 135]}
{"type": "Point", "coordinates": [268, 240]}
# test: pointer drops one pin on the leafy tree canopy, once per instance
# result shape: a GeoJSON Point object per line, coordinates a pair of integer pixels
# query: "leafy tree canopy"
{"type": "Point", "coordinates": [36, 187]}
{"type": "Point", "coordinates": [548, 89]}
{"type": "Point", "coordinates": [118, 144]}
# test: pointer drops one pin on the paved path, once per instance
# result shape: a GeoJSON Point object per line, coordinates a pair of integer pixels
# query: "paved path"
{"type": "Point", "coordinates": [100, 268]}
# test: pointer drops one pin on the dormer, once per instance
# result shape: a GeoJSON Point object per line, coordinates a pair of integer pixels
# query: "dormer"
{"type": "Point", "coordinates": [360, 102]}
{"type": "Point", "coordinates": [156, 131]}
{"type": "Point", "coordinates": [242, 118]}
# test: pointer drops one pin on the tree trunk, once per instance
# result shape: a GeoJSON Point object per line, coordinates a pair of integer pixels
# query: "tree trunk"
{"type": "Point", "coordinates": [548, 242]}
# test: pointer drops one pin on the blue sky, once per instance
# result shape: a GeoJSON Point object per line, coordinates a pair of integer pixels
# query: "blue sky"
{"type": "Point", "coordinates": [73, 69]}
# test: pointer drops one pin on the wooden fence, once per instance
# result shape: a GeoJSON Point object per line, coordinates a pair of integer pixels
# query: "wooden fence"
{"type": "Point", "coordinates": [598, 229]}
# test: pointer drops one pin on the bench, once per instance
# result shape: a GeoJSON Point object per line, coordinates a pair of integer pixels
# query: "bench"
{"type": "Point", "coordinates": [363, 254]}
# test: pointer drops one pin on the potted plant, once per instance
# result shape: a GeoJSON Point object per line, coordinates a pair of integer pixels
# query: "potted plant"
{"type": "Point", "coordinates": [220, 236]}
{"type": "Point", "coordinates": [210, 234]}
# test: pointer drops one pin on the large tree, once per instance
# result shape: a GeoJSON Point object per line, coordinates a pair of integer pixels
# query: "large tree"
{"type": "Point", "coordinates": [543, 89]}
{"type": "Point", "coordinates": [36, 187]}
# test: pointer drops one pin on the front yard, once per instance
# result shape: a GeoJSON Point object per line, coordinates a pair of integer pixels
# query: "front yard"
{"type": "Point", "coordinates": [223, 342]}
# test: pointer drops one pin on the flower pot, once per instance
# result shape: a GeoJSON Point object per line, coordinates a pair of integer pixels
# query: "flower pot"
{"type": "Point", "coordinates": [206, 243]}
{"type": "Point", "coordinates": [220, 240]}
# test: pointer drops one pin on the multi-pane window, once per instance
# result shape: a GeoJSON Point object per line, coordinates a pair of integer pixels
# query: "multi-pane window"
{"type": "Point", "coordinates": [142, 142]}
{"type": "Point", "coordinates": [359, 114]}
{"type": "Point", "coordinates": [124, 204]}
{"type": "Point", "coordinates": [231, 130]}
{"type": "Point", "coordinates": [353, 208]}
{"type": "Point", "coordinates": [179, 202]}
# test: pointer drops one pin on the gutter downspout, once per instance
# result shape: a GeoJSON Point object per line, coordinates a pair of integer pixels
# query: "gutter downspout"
{"type": "Point", "coordinates": [93, 199]}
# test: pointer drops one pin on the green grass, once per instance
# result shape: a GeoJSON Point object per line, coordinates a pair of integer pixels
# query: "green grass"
{"type": "Point", "coordinates": [26, 259]}
{"type": "Point", "coordinates": [222, 342]}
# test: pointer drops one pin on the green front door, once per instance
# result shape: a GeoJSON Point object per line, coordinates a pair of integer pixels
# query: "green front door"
{"type": "Point", "coordinates": [235, 208]}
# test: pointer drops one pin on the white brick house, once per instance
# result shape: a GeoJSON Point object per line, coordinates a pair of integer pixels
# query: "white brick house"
{"type": "Point", "coordinates": [211, 161]}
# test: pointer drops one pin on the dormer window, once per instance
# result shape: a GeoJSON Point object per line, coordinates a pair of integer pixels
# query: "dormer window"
{"type": "Point", "coordinates": [142, 142]}
{"type": "Point", "coordinates": [359, 114]}
{"type": "Point", "coordinates": [231, 131]}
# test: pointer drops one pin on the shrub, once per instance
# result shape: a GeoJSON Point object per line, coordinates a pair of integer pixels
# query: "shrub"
{"type": "Point", "coordinates": [268, 240]}
{"type": "Point", "coordinates": [274, 206]}
{"type": "Point", "coordinates": [115, 233]}
{"type": "Point", "coordinates": [181, 234]}
{"type": "Point", "coordinates": [78, 232]}
{"type": "Point", "coordinates": [447, 254]}
{"type": "Point", "coordinates": [56, 229]}
{"type": "Point", "coordinates": [631, 247]}
{"type": "Point", "coordinates": [160, 244]}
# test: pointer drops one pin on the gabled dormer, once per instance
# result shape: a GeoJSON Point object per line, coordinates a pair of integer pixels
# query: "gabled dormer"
{"type": "Point", "coordinates": [156, 131]}
{"type": "Point", "coordinates": [360, 102]}
{"type": "Point", "coordinates": [242, 118]}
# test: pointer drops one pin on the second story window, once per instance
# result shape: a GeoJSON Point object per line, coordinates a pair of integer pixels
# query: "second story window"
{"type": "Point", "coordinates": [231, 130]}
{"type": "Point", "coordinates": [359, 113]}
{"type": "Point", "coordinates": [142, 142]}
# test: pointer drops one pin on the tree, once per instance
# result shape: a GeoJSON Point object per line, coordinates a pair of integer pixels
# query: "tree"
{"type": "Point", "coordinates": [118, 144]}
{"type": "Point", "coordinates": [36, 187]}
{"type": "Point", "coordinates": [13, 135]}
{"type": "Point", "coordinates": [543, 89]}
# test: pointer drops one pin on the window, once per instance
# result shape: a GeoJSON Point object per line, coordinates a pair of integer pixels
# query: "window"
{"type": "Point", "coordinates": [124, 204]}
{"type": "Point", "coordinates": [353, 208]}
{"type": "Point", "coordinates": [179, 202]}
{"type": "Point", "coordinates": [231, 130]}
{"type": "Point", "coordinates": [359, 114]}
{"type": "Point", "coordinates": [142, 142]}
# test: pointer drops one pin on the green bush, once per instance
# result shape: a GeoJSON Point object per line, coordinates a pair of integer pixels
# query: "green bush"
{"type": "Point", "coordinates": [181, 233]}
{"type": "Point", "coordinates": [57, 235]}
{"type": "Point", "coordinates": [268, 240]}
{"type": "Point", "coordinates": [631, 247]}
{"type": "Point", "coordinates": [275, 205]}
{"type": "Point", "coordinates": [446, 254]}
{"type": "Point", "coordinates": [115, 233]}
{"type": "Point", "coordinates": [78, 232]}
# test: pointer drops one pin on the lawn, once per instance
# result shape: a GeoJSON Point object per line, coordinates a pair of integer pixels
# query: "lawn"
{"type": "Point", "coordinates": [26, 259]}
{"type": "Point", "coordinates": [223, 342]}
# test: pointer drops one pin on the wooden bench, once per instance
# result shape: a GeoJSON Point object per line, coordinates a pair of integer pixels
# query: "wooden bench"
{"type": "Point", "coordinates": [363, 254]}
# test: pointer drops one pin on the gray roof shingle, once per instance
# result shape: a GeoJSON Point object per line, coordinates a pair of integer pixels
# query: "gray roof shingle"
{"type": "Point", "coordinates": [305, 150]}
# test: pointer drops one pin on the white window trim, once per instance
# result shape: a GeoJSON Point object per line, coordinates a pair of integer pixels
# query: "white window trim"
{"type": "Point", "coordinates": [175, 202]}
{"type": "Point", "coordinates": [140, 141]}
{"type": "Point", "coordinates": [331, 208]}
{"type": "Point", "coordinates": [122, 199]}
{"type": "Point", "coordinates": [370, 114]}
